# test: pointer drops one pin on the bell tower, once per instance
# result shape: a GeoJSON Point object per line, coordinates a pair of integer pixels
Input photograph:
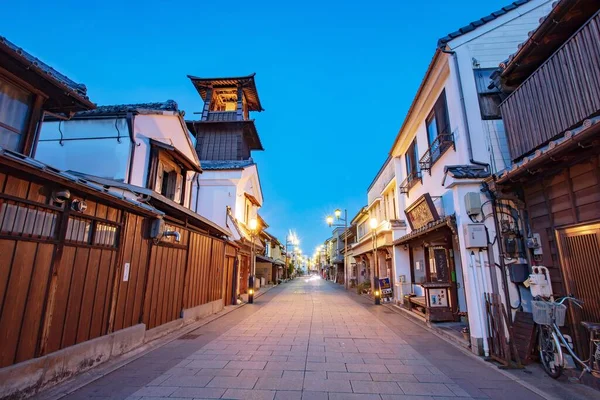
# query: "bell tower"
{"type": "Point", "coordinates": [225, 131]}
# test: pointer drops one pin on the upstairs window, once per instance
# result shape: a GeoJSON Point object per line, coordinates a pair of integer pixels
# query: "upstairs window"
{"type": "Point", "coordinates": [15, 105]}
{"type": "Point", "coordinates": [169, 180]}
{"type": "Point", "coordinates": [412, 157]}
{"type": "Point", "coordinates": [438, 122]}
{"type": "Point", "coordinates": [489, 99]}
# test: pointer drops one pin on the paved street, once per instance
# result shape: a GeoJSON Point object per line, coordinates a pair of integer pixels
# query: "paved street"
{"type": "Point", "coordinates": [307, 339]}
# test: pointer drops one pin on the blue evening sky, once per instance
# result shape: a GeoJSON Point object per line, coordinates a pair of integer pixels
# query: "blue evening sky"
{"type": "Point", "coordinates": [335, 77]}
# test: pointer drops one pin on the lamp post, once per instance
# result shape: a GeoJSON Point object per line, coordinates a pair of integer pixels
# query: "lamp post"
{"type": "Point", "coordinates": [376, 292]}
{"type": "Point", "coordinates": [253, 225]}
{"type": "Point", "coordinates": [338, 214]}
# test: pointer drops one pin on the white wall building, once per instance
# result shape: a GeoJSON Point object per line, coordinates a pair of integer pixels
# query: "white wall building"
{"type": "Point", "coordinates": [144, 145]}
{"type": "Point", "coordinates": [452, 138]}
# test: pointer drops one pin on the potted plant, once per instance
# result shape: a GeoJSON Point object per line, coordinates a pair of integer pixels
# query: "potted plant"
{"type": "Point", "coordinates": [464, 318]}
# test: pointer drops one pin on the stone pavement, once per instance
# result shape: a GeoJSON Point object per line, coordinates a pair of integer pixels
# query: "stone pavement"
{"type": "Point", "coordinates": [307, 339]}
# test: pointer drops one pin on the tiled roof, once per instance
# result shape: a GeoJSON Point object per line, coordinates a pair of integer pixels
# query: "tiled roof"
{"type": "Point", "coordinates": [481, 21]}
{"type": "Point", "coordinates": [213, 165]}
{"type": "Point", "coordinates": [449, 221]}
{"type": "Point", "coordinates": [247, 82]}
{"type": "Point", "coordinates": [118, 109]}
{"type": "Point", "coordinates": [75, 178]}
{"type": "Point", "coordinates": [571, 138]}
{"type": "Point", "coordinates": [466, 171]}
{"type": "Point", "coordinates": [79, 88]}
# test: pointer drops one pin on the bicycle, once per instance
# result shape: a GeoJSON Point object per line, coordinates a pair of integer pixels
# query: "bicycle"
{"type": "Point", "coordinates": [550, 316]}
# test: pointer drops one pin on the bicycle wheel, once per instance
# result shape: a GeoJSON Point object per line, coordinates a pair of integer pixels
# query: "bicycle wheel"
{"type": "Point", "coordinates": [550, 352]}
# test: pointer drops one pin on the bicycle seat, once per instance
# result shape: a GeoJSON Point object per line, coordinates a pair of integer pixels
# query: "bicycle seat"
{"type": "Point", "coordinates": [591, 326]}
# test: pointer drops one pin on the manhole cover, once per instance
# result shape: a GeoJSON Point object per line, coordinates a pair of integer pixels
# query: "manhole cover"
{"type": "Point", "coordinates": [189, 336]}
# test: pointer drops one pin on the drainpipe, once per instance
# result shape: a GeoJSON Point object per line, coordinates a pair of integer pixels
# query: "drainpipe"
{"type": "Point", "coordinates": [480, 311]}
{"type": "Point", "coordinates": [198, 195]}
{"type": "Point", "coordinates": [129, 119]}
{"type": "Point", "coordinates": [464, 110]}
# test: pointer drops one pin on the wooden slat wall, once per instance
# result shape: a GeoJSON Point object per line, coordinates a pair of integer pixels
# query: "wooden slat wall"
{"type": "Point", "coordinates": [559, 95]}
{"type": "Point", "coordinates": [82, 305]}
{"type": "Point", "coordinates": [130, 293]}
{"type": "Point", "coordinates": [197, 271]}
{"type": "Point", "coordinates": [55, 293]}
{"type": "Point", "coordinates": [567, 198]}
{"type": "Point", "coordinates": [164, 288]}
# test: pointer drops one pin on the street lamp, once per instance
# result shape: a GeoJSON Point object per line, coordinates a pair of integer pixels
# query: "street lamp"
{"type": "Point", "coordinates": [376, 292]}
{"type": "Point", "coordinates": [253, 225]}
{"type": "Point", "coordinates": [329, 219]}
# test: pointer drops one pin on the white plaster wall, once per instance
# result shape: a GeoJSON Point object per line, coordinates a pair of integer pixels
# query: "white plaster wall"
{"type": "Point", "coordinates": [164, 128]}
{"type": "Point", "coordinates": [92, 146]}
{"type": "Point", "coordinates": [103, 156]}
{"type": "Point", "coordinates": [216, 191]}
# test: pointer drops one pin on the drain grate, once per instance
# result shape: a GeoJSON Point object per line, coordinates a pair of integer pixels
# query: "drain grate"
{"type": "Point", "coordinates": [189, 336]}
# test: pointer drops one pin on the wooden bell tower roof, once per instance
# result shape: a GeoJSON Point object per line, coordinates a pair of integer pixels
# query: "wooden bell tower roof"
{"type": "Point", "coordinates": [203, 85]}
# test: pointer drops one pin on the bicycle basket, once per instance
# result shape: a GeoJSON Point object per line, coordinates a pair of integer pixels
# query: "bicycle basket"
{"type": "Point", "coordinates": [544, 311]}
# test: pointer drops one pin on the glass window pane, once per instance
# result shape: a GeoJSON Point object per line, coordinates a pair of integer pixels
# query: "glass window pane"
{"type": "Point", "coordinates": [10, 140]}
{"type": "Point", "coordinates": [14, 106]}
{"type": "Point", "coordinates": [432, 132]}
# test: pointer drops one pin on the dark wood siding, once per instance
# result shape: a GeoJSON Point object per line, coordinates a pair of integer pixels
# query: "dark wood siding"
{"type": "Point", "coordinates": [221, 142]}
{"type": "Point", "coordinates": [62, 272]}
{"type": "Point", "coordinates": [558, 96]}
{"type": "Point", "coordinates": [198, 270]}
{"type": "Point", "coordinates": [567, 198]}
{"type": "Point", "coordinates": [164, 288]}
{"type": "Point", "coordinates": [129, 296]}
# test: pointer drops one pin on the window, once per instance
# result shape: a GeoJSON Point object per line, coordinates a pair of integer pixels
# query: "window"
{"type": "Point", "coordinates": [412, 155]}
{"type": "Point", "coordinates": [438, 122]}
{"type": "Point", "coordinates": [247, 212]}
{"type": "Point", "coordinates": [81, 230]}
{"type": "Point", "coordinates": [15, 104]}
{"type": "Point", "coordinates": [169, 180]}
{"type": "Point", "coordinates": [395, 213]}
{"type": "Point", "coordinates": [26, 220]}
{"type": "Point", "coordinates": [489, 99]}
{"type": "Point", "coordinates": [362, 229]}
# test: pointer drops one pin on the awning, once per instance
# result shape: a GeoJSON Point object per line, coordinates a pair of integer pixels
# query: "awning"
{"type": "Point", "coordinates": [447, 222]}
{"type": "Point", "coordinates": [262, 258]}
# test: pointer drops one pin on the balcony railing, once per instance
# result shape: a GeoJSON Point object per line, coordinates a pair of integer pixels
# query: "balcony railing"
{"type": "Point", "coordinates": [222, 116]}
{"type": "Point", "coordinates": [440, 145]}
{"type": "Point", "coordinates": [410, 181]}
{"type": "Point", "coordinates": [559, 95]}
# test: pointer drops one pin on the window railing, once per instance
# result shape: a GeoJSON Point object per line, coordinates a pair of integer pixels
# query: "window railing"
{"type": "Point", "coordinates": [410, 181]}
{"type": "Point", "coordinates": [222, 116]}
{"type": "Point", "coordinates": [440, 145]}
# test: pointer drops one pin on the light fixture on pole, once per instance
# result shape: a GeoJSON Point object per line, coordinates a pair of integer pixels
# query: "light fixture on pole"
{"type": "Point", "coordinates": [338, 216]}
{"type": "Point", "coordinates": [376, 291]}
{"type": "Point", "coordinates": [253, 226]}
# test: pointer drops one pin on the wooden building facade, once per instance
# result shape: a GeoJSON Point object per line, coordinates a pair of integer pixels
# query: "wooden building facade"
{"type": "Point", "coordinates": [552, 118]}
{"type": "Point", "coordinates": [77, 263]}
{"type": "Point", "coordinates": [82, 260]}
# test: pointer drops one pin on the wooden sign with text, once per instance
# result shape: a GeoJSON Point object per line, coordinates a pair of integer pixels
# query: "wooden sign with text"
{"type": "Point", "coordinates": [421, 212]}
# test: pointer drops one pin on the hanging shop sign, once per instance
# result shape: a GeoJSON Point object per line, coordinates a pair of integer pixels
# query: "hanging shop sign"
{"type": "Point", "coordinates": [386, 289]}
{"type": "Point", "coordinates": [421, 212]}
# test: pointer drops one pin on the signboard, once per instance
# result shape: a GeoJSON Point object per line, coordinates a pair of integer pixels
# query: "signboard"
{"type": "Point", "coordinates": [421, 212]}
{"type": "Point", "coordinates": [438, 297]}
{"type": "Point", "coordinates": [386, 289]}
